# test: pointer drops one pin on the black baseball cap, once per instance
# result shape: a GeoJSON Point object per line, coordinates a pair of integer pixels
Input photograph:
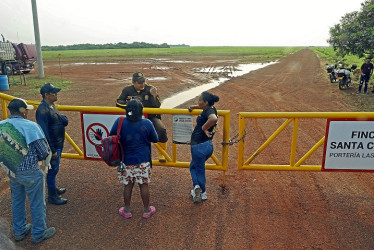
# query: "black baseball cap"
{"type": "Point", "coordinates": [49, 88]}
{"type": "Point", "coordinates": [17, 103]}
{"type": "Point", "coordinates": [138, 77]}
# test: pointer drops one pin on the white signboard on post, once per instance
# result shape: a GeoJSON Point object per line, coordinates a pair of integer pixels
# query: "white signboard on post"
{"type": "Point", "coordinates": [95, 126]}
{"type": "Point", "coordinates": [349, 145]}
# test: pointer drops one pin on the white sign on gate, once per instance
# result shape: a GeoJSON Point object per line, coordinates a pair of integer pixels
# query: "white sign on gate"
{"type": "Point", "coordinates": [349, 145]}
{"type": "Point", "coordinates": [182, 128]}
{"type": "Point", "coordinates": [95, 127]}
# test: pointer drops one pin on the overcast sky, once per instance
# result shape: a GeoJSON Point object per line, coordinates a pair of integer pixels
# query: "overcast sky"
{"type": "Point", "coordinates": [192, 22]}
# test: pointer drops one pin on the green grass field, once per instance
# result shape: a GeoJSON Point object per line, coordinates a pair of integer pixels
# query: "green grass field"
{"type": "Point", "coordinates": [242, 52]}
{"type": "Point", "coordinates": [328, 54]}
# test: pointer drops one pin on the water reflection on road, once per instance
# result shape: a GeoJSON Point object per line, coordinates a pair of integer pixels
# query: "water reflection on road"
{"type": "Point", "coordinates": [184, 96]}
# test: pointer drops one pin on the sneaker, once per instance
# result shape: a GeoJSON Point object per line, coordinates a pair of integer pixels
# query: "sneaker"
{"type": "Point", "coordinates": [365, 92]}
{"type": "Point", "coordinates": [197, 198]}
{"type": "Point", "coordinates": [203, 196]}
{"type": "Point", "coordinates": [60, 191]}
{"type": "Point", "coordinates": [23, 236]}
{"type": "Point", "coordinates": [47, 234]}
{"type": "Point", "coordinates": [193, 193]}
{"type": "Point", "coordinates": [358, 92]}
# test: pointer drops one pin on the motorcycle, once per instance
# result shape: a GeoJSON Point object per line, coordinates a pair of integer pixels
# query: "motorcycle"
{"type": "Point", "coordinates": [344, 77]}
{"type": "Point", "coordinates": [332, 73]}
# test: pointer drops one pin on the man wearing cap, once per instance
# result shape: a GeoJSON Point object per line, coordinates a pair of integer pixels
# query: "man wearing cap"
{"type": "Point", "coordinates": [22, 145]}
{"type": "Point", "coordinates": [148, 95]}
{"type": "Point", "coordinates": [53, 124]}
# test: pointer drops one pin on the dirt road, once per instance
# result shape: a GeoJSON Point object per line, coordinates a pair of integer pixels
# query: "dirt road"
{"type": "Point", "coordinates": [259, 210]}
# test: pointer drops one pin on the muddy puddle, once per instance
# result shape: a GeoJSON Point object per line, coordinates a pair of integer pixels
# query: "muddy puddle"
{"type": "Point", "coordinates": [93, 63]}
{"type": "Point", "coordinates": [129, 79]}
{"type": "Point", "coordinates": [229, 71]}
{"type": "Point", "coordinates": [161, 67]}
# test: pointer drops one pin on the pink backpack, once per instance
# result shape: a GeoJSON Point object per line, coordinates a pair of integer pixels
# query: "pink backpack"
{"type": "Point", "coordinates": [111, 150]}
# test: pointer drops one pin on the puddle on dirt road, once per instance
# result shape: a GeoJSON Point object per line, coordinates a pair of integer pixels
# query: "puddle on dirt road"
{"type": "Point", "coordinates": [161, 67]}
{"type": "Point", "coordinates": [157, 78]}
{"type": "Point", "coordinates": [172, 61]}
{"type": "Point", "coordinates": [129, 79]}
{"type": "Point", "coordinates": [236, 71]}
{"type": "Point", "coordinates": [94, 63]}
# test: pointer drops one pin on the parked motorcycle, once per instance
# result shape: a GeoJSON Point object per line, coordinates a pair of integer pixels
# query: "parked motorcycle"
{"type": "Point", "coordinates": [344, 77]}
{"type": "Point", "coordinates": [332, 73]}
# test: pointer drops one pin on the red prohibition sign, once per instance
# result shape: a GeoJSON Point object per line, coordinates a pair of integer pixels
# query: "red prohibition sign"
{"type": "Point", "coordinates": [92, 133]}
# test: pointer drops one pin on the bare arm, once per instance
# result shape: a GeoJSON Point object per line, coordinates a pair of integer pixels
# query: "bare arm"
{"type": "Point", "coordinates": [212, 120]}
{"type": "Point", "coordinates": [190, 108]}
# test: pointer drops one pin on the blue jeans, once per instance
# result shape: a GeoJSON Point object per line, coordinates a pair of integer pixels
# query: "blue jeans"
{"type": "Point", "coordinates": [30, 183]}
{"type": "Point", "coordinates": [363, 79]}
{"type": "Point", "coordinates": [200, 154]}
{"type": "Point", "coordinates": [52, 172]}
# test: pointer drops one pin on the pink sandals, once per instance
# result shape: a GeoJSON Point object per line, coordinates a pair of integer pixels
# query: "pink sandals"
{"type": "Point", "coordinates": [150, 213]}
{"type": "Point", "coordinates": [124, 214]}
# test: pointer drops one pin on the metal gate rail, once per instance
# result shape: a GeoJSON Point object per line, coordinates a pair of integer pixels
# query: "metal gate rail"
{"type": "Point", "coordinates": [291, 117]}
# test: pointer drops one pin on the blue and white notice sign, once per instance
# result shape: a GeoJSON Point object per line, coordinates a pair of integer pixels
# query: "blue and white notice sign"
{"type": "Point", "coordinates": [349, 145]}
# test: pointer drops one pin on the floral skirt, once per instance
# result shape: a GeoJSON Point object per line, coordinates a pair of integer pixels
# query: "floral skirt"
{"type": "Point", "coordinates": [139, 173]}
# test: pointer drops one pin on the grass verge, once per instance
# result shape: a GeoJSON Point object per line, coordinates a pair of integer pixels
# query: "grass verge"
{"type": "Point", "coordinates": [34, 83]}
{"type": "Point", "coordinates": [361, 102]}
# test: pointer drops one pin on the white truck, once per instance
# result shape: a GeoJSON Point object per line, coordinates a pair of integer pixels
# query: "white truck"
{"type": "Point", "coordinates": [16, 58]}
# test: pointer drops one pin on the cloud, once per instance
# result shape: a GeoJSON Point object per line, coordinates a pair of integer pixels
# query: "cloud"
{"type": "Point", "coordinates": [207, 23]}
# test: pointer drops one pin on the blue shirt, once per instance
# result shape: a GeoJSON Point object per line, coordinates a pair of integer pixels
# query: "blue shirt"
{"type": "Point", "coordinates": [53, 124]}
{"type": "Point", "coordinates": [136, 138]}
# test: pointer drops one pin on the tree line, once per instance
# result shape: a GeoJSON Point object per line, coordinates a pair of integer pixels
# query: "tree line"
{"type": "Point", "coordinates": [355, 33]}
{"type": "Point", "coordinates": [120, 45]}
